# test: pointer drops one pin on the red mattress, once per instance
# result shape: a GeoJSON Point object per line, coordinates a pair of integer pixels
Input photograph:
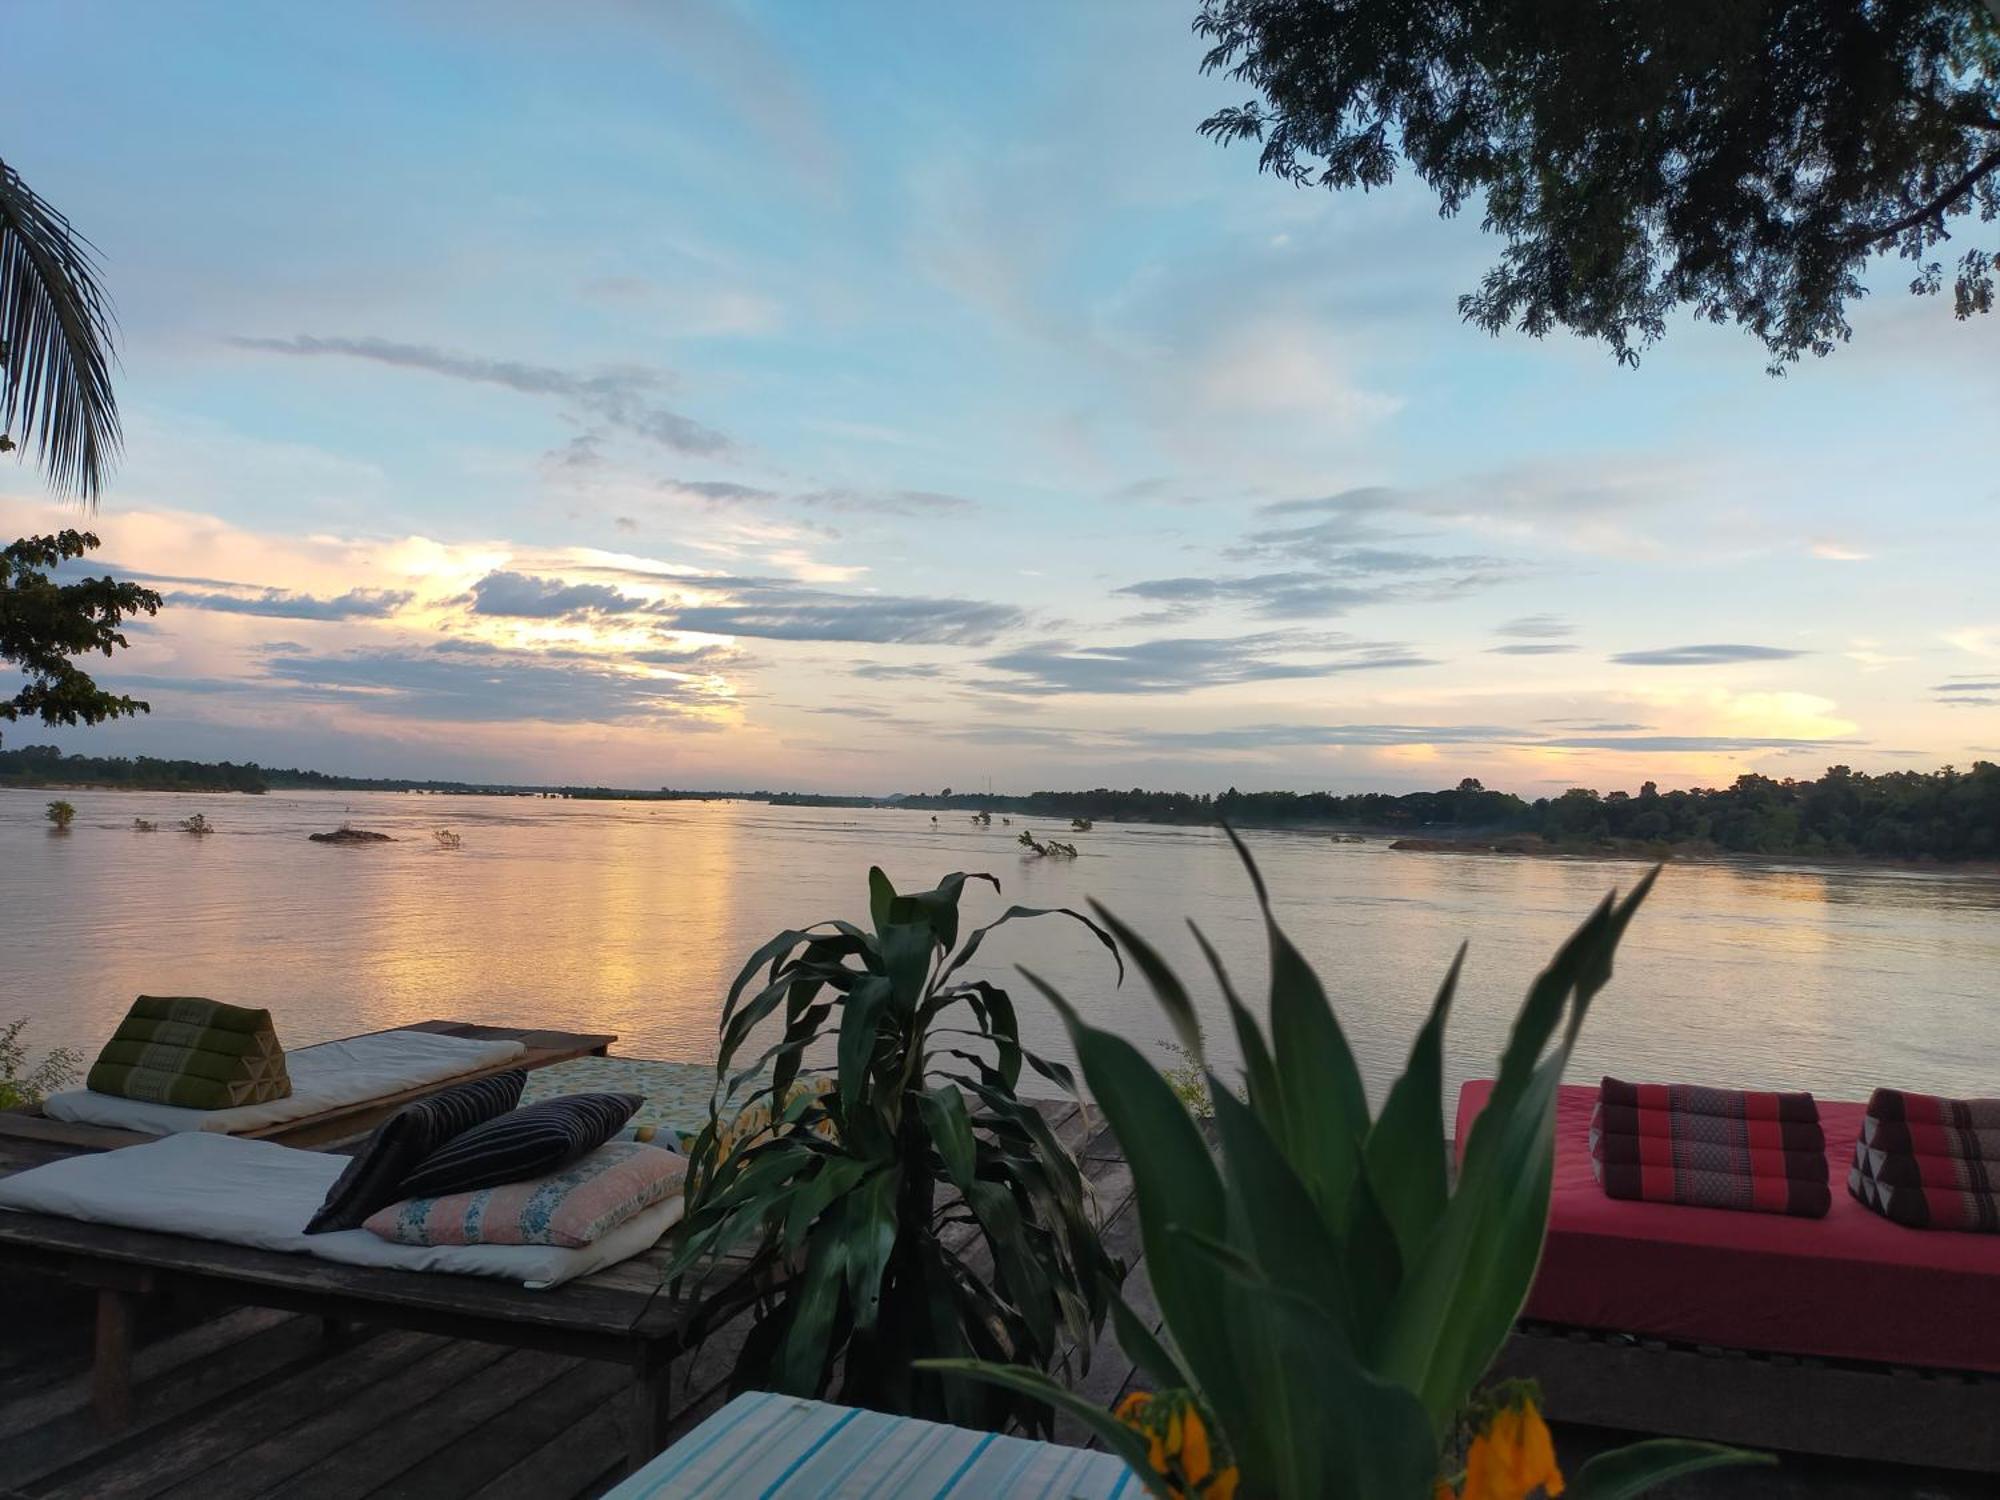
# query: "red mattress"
{"type": "Point", "coordinates": [1849, 1286]}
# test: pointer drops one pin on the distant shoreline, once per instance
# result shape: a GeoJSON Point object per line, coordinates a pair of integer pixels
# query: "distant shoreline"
{"type": "Point", "coordinates": [1528, 847]}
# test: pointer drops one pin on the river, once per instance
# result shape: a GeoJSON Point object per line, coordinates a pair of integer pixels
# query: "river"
{"type": "Point", "coordinates": [633, 917]}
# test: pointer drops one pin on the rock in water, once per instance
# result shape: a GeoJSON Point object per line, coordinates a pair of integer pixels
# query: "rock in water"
{"type": "Point", "coordinates": [350, 836]}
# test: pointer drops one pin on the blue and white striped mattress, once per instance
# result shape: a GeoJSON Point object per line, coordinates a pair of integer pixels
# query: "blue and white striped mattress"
{"type": "Point", "coordinates": [785, 1448]}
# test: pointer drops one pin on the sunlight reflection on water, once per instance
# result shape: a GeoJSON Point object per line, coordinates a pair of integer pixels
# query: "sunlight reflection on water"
{"type": "Point", "coordinates": [634, 917]}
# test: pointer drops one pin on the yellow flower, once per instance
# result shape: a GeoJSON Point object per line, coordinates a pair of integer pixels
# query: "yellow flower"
{"type": "Point", "coordinates": [1193, 1446]}
{"type": "Point", "coordinates": [1512, 1458]}
{"type": "Point", "coordinates": [1178, 1448]}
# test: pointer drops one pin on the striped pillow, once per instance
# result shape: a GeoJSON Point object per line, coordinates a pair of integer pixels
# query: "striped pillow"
{"type": "Point", "coordinates": [574, 1207]}
{"type": "Point", "coordinates": [375, 1177]}
{"type": "Point", "coordinates": [530, 1142]}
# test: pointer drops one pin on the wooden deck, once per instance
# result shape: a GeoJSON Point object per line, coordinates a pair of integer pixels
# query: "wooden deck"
{"type": "Point", "coordinates": [242, 1402]}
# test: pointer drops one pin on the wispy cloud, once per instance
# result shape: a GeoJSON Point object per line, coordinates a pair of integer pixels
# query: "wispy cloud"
{"type": "Point", "coordinates": [1536, 628]}
{"type": "Point", "coordinates": [781, 612]}
{"type": "Point", "coordinates": [528, 596]}
{"type": "Point", "coordinates": [1184, 663]}
{"type": "Point", "coordinates": [883, 671]}
{"type": "Point", "coordinates": [283, 604]}
{"type": "Point", "coordinates": [451, 684]}
{"type": "Point", "coordinates": [1531, 648]}
{"type": "Point", "coordinates": [621, 396]}
{"type": "Point", "coordinates": [1719, 654]}
{"type": "Point", "coordinates": [1968, 692]}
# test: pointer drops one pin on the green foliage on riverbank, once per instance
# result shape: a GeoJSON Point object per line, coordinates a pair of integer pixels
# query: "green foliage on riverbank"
{"type": "Point", "coordinates": [1947, 814]}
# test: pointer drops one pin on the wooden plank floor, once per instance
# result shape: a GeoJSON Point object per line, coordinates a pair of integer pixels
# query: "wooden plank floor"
{"type": "Point", "coordinates": [237, 1403]}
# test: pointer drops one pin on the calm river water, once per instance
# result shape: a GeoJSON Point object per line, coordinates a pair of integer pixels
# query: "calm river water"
{"type": "Point", "coordinates": [634, 917]}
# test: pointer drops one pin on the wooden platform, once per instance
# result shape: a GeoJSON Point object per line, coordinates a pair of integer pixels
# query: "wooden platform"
{"type": "Point", "coordinates": [307, 1396]}
{"type": "Point", "coordinates": [29, 1128]}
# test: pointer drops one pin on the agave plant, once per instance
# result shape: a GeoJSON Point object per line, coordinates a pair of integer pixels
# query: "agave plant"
{"type": "Point", "coordinates": [917, 1207]}
{"type": "Point", "coordinates": [1331, 1303]}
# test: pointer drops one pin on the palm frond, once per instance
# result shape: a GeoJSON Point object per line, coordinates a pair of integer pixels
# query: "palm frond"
{"type": "Point", "coordinates": [56, 333]}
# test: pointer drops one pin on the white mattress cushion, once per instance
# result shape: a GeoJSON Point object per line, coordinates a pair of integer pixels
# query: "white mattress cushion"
{"type": "Point", "coordinates": [259, 1194]}
{"type": "Point", "coordinates": [331, 1075]}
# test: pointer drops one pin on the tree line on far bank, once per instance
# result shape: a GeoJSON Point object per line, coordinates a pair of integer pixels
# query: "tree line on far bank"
{"type": "Point", "coordinates": [1948, 814]}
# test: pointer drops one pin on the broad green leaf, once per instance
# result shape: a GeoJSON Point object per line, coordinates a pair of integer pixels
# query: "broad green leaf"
{"type": "Point", "coordinates": [1258, 1072]}
{"type": "Point", "coordinates": [868, 1225]}
{"type": "Point", "coordinates": [951, 1132]}
{"type": "Point", "coordinates": [1597, 976]}
{"type": "Point", "coordinates": [1177, 1186]}
{"type": "Point", "coordinates": [836, 1177]}
{"type": "Point", "coordinates": [881, 898]}
{"type": "Point", "coordinates": [810, 1306]}
{"type": "Point", "coordinates": [1627, 1472]}
{"type": "Point", "coordinates": [1460, 1298]}
{"type": "Point", "coordinates": [1325, 1110]}
{"type": "Point", "coordinates": [1320, 1424]}
{"type": "Point", "coordinates": [1166, 985]}
{"type": "Point", "coordinates": [1325, 1107]}
{"type": "Point", "coordinates": [1114, 1434]}
{"type": "Point", "coordinates": [1285, 1233]}
{"type": "Point", "coordinates": [1025, 1278]}
{"type": "Point", "coordinates": [1023, 913]}
{"type": "Point", "coordinates": [1406, 1159]}
{"type": "Point", "coordinates": [860, 1030]}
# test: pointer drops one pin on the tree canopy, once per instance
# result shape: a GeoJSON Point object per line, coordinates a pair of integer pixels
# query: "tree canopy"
{"type": "Point", "coordinates": [1743, 159]}
{"type": "Point", "coordinates": [43, 623]}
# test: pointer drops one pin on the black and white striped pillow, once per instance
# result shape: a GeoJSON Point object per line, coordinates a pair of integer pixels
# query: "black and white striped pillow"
{"type": "Point", "coordinates": [374, 1179]}
{"type": "Point", "coordinates": [530, 1142]}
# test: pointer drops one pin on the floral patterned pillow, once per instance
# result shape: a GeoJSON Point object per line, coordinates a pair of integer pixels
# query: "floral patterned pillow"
{"type": "Point", "coordinates": [573, 1207]}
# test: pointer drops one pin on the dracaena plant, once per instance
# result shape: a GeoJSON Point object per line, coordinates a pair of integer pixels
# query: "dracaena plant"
{"type": "Point", "coordinates": [1330, 1302]}
{"type": "Point", "coordinates": [909, 1204]}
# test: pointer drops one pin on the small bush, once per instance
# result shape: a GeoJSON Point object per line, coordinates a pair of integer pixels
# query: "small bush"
{"type": "Point", "coordinates": [20, 1084]}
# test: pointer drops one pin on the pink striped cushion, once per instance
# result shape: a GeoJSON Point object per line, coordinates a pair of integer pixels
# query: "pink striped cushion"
{"type": "Point", "coordinates": [573, 1207]}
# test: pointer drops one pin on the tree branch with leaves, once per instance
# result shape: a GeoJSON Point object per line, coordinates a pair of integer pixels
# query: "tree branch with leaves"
{"type": "Point", "coordinates": [1742, 162]}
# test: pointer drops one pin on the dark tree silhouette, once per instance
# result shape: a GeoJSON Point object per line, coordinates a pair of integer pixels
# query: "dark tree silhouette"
{"type": "Point", "coordinates": [55, 382]}
{"type": "Point", "coordinates": [1741, 160]}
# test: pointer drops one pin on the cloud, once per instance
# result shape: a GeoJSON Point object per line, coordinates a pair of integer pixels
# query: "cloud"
{"type": "Point", "coordinates": [451, 684]}
{"type": "Point", "coordinates": [1347, 578]}
{"type": "Point", "coordinates": [1967, 692]}
{"type": "Point", "coordinates": [886, 502]}
{"type": "Point", "coordinates": [716, 490]}
{"type": "Point", "coordinates": [1531, 648]}
{"type": "Point", "coordinates": [1273, 595]}
{"type": "Point", "coordinates": [283, 604]}
{"type": "Point", "coordinates": [778, 611]}
{"type": "Point", "coordinates": [1536, 627]}
{"type": "Point", "coordinates": [619, 396]}
{"type": "Point", "coordinates": [1185, 663]}
{"type": "Point", "coordinates": [882, 671]}
{"type": "Point", "coordinates": [526, 596]}
{"type": "Point", "coordinates": [1837, 552]}
{"type": "Point", "coordinates": [840, 500]}
{"type": "Point", "coordinates": [1685, 743]}
{"type": "Point", "coordinates": [1703, 656]}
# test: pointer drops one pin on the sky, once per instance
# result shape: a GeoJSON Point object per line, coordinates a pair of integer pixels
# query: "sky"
{"type": "Point", "coordinates": [879, 398]}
